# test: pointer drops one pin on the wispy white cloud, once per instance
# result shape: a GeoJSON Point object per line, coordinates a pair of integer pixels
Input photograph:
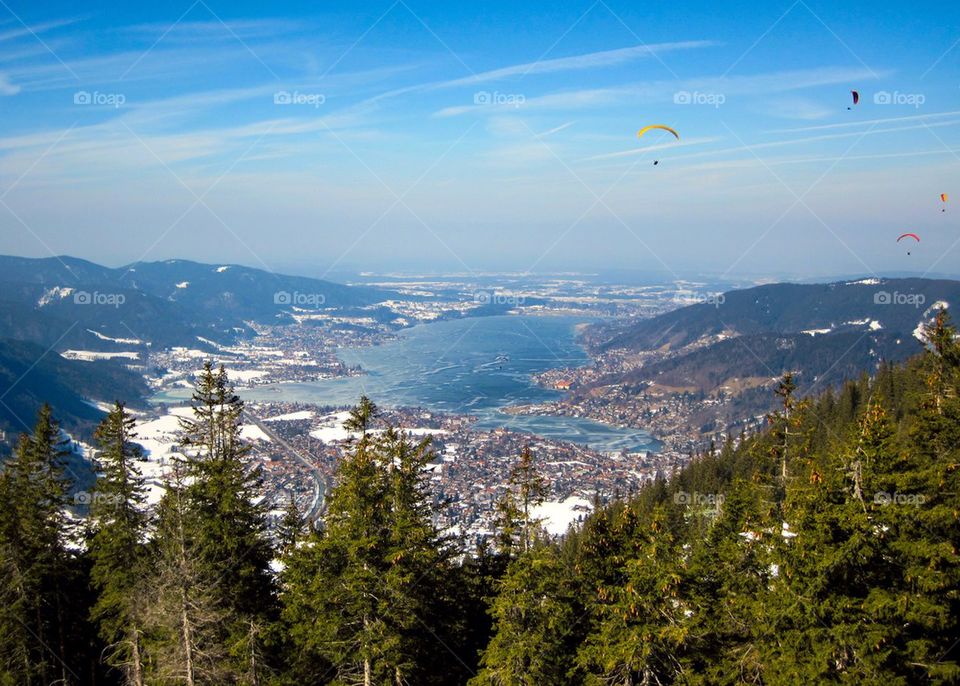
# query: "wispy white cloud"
{"type": "Point", "coordinates": [7, 88]}
{"type": "Point", "coordinates": [754, 163]}
{"type": "Point", "coordinates": [683, 143]}
{"type": "Point", "coordinates": [521, 153]}
{"type": "Point", "coordinates": [249, 29]}
{"type": "Point", "coordinates": [566, 100]}
{"type": "Point", "coordinates": [664, 91]}
{"type": "Point", "coordinates": [798, 108]}
{"type": "Point", "coordinates": [593, 60]}
{"type": "Point", "coordinates": [188, 104]}
{"type": "Point", "coordinates": [555, 129]}
{"type": "Point", "coordinates": [782, 143]}
{"type": "Point", "coordinates": [867, 122]}
{"type": "Point", "coordinates": [36, 29]}
{"type": "Point", "coordinates": [605, 58]}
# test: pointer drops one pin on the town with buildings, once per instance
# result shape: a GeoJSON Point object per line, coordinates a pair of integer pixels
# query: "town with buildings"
{"type": "Point", "coordinates": [297, 446]}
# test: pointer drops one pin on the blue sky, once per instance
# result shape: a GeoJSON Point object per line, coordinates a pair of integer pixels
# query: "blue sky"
{"type": "Point", "coordinates": [496, 135]}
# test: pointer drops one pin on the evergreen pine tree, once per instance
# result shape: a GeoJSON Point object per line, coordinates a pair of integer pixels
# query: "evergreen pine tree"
{"type": "Point", "coordinates": [642, 625]}
{"type": "Point", "coordinates": [291, 528]}
{"type": "Point", "coordinates": [828, 601]}
{"type": "Point", "coordinates": [515, 522]}
{"type": "Point", "coordinates": [367, 596]}
{"type": "Point", "coordinates": [116, 547]}
{"type": "Point", "coordinates": [229, 529]}
{"type": "Point", "coordinates": [925, 513]}
{"type": "Point", "coordinates": [333, 595]}
{"type": "Point", "coordinates": [362, 416]}
{"type": "Point", "coordinates": [184, 614]}
{"type": "Point", "coordinates": [725, 588]}
{"type": "Point", "coordinates": [36, 566]}
{"type": "Point", "coordinates": [533, 616]}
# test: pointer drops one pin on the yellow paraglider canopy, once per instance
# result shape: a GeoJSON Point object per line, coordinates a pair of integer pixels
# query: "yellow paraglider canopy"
{"type": "Point", "coordinates": [657, 126]}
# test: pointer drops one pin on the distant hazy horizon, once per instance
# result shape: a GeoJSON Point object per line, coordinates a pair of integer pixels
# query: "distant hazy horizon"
{"type": "Point", "coordinates": [349, 273]}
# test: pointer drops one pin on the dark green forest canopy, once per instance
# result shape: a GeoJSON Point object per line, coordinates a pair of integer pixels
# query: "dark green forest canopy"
{"type": "Point", "coordinates": [823, 549]}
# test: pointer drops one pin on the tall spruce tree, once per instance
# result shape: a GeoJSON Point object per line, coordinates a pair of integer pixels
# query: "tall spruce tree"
{"type": "Point", "coordinates": [832, 591]}
{"type": "Point", "coordinates": [291, 528]}
{"type": "Point", "coordinates": [926, 516]}
{"type": "Point", "coordinates": [725, 587]}
{"type": "Point", "coordinates": [184, 612]}
{"type": "Point", "coordinates": [34, 562]}
{"type": "Point", "coordinates": [534, 617]}
{"type": "Point", "coordinates": [517, 527]}
{"type": "Point", "coordinates": [362, 416]}
{"type": "Point", "coordinates": [642, 627]}
{"type": "Point", "coordinates": [333, 585]}
{"type": "Point", "coordinates": [118, 524]}
{"type": "Point", "coordinates": [229, 530]}
{"type": "Point", "coordinates": [534, 610]}
{"type": "Point", "coordinates": [365, 594]}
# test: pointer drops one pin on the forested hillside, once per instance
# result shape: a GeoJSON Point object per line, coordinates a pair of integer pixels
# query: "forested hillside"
{"type": "Point", "coordinates": [822, 550]}
{"type": "Point", "coordinates": [31, 376]}
{"type": "Point", "coordinates": [784, 308]}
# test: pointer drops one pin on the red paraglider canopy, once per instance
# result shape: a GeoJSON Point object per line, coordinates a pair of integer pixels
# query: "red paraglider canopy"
{"type": "Point", "coordinates": [909, 235]}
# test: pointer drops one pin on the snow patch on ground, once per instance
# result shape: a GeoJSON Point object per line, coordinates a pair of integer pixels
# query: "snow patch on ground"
{"type": "Point", "coordinates": [221, 270]}
{"type": "Point", "coordinates": [814, 332]}
{"type": "Point", "coordinates": [55, 293]}
{"type": "Point", "coordinates": [91, 355]}
{"type": "Point", "coordinates": [331, 429]}
{"type": "Point", "coordinates": [872, 323]}
{"type": "Point", "coordinates": [424, 432]}
{"type": "Point", "coordinates": [125, 341]}
{"type": "Point", "coordinates": [183, 284]}
{"type": "Point", "coordinates": [558, 516]}
{"type": "Point", "coordinates": [100, 405]}
{"type": "Point", "coordinates": [188, 353]}
{"type": "Point", "coordinates": [291, 416]}
{"type": "Point", "coordinates": [160, 440]}
{"type": "Point", "coordinates": [252, 432]}
{"type": "Point", "coordinates": [243, 375]}
{"type": "Point", "coordinates": [928, 316]}
{"type": "Point", "coordinates": [213, 344]}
